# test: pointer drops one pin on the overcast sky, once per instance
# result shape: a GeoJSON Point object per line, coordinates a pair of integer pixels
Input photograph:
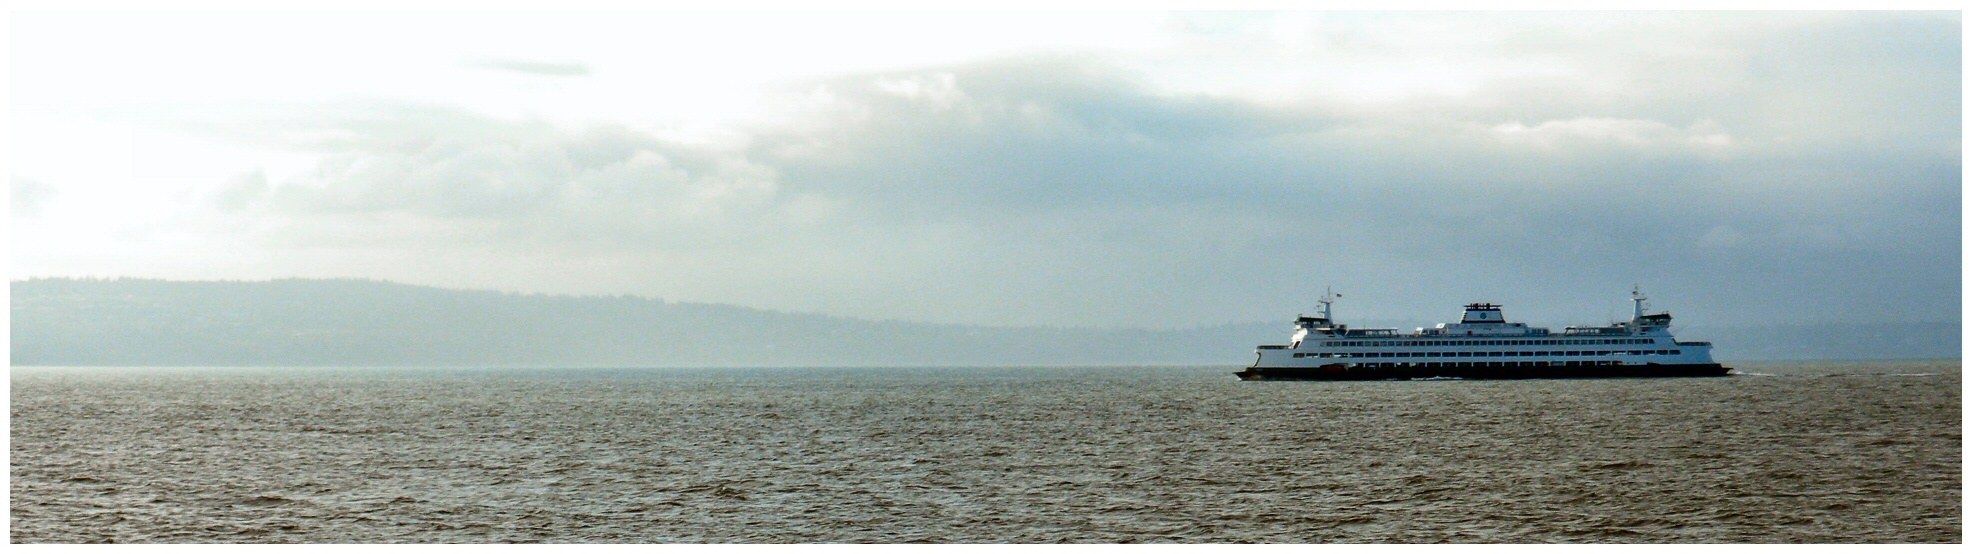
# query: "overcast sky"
{"type": "Point", "coordinates": [1132, 169]}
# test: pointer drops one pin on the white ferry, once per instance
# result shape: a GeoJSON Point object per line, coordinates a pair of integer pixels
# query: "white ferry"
{"type": "Point", "coordinates": [1483, 345]}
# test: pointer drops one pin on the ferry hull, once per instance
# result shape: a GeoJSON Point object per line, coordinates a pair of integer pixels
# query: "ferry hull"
{"type": "Point", "coordinates": [1337, 372]}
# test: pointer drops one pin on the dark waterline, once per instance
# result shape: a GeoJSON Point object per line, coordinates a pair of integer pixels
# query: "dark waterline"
{"type": "Point", "coordinates": [1785, 452]}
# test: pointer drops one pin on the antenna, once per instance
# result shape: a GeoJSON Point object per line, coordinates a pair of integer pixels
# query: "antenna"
{"type": "Point", "coordinates": [1328, 302]}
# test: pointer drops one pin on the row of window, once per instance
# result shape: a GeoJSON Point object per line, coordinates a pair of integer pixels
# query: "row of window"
{"type": "Point", "coordinates": [1469, 342]}
{"type": "Point", "coordinates": [1483, 354]}
{"type": "Point", "coordinates": [1484, 364]}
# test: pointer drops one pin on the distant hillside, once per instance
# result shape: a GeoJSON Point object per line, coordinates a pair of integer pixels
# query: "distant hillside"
{"type": "Point", "coordinates": [141, 322]}
{"type": "Point", "coordinates": [1864, 341]}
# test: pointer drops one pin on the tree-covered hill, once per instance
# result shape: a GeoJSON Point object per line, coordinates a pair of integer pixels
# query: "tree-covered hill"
{"type": "Point", "coordinates": [304, 322]}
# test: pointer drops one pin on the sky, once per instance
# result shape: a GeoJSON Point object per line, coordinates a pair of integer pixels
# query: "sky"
{"type": "Point", "coordinates": [1086, 169]}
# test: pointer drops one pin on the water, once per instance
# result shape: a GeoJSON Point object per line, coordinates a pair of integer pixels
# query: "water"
{"type": "Point", "coordinates": [1852, 452]}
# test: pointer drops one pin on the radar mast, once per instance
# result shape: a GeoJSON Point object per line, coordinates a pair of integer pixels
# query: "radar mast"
{"type": "Point", "coordinates": [1328, 302]}
{"type": "Point", "coordinates": [1637, 297]}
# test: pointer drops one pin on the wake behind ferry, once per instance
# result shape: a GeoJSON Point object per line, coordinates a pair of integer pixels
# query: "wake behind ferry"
{"type": "Point", "coordinates": [1482, 345]}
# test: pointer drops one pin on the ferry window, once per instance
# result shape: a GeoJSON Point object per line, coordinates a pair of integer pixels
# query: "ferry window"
{"type": "Point", "coordinates": [1676, 352]}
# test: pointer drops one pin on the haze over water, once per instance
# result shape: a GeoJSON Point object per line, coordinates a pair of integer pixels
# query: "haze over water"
{"type": "Point", "coordinates": [1785, 452]}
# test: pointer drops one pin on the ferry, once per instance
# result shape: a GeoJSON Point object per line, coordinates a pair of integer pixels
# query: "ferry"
{"type": "Point", "coordinates": [1482, 345]}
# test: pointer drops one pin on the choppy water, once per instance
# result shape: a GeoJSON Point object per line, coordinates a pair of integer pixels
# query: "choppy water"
{"type": "Point", "coordinates": [1857, 452]}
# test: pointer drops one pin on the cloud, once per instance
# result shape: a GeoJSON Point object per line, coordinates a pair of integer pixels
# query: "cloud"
{"type": "Point", "coordinates": [1721, 237]}
{"type": "Point", "coordinates": [28, 195]}
{"type": "Point", "coordinates": [1085, 189]}
{"type": "Point", "coordinates": [1632, 133]}
{"type": "Point", "coordinates": [546, 69]}
{"type": "Point", "coordinates": [606, 185]}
